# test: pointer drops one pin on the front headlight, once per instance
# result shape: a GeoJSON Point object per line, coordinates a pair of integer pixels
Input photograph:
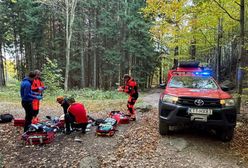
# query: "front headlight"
{"type": "Point", "coordinates": [170, 99]}
{"type": "Point", "coordinates": [227, 102]}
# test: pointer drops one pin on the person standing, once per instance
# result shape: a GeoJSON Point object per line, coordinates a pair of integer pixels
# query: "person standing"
{"type": "Point", "coordinates": [38, 87]}
{"type": "Point", "coordinates": [27, 97]}
{"type": "Point", "coordinates": [130, 88]}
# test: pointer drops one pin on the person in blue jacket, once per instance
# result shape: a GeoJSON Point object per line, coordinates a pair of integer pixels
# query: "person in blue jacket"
{"type": "Point", "coordinates": [28, 96]}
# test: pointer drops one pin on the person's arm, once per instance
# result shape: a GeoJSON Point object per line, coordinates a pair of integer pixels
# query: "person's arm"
{"type": "Point", "coordinates": [85, 113]}
{"type": "Point", "coordinates": [28, 92]}
{"type": "Point", "coordinates": [128, 89]}
{"type": "Point", "coordinates": [38, 85]}
{"type": "Point", "coordinates": [35, 93]}
{"type": "Point", "coordinates": [65, 106]}
{"type": "Point", "coordinates": [120, 89]}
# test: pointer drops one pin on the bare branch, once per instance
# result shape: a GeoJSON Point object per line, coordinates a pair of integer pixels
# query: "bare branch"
{"type": "Point", "coordinates": [225, 11]}
{"type": "Point", "coordinates": [237, 3]}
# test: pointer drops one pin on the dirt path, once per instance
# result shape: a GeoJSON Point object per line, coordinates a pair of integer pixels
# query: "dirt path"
{"type": "Point", "coordinates": [137, 144]}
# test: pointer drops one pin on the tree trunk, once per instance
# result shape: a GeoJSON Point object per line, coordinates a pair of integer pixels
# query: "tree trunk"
{"type": "Point", "coordinates": [218, 68]}
{"type": "Point", "coordinates": [94, 67]}
{"type": "Point", "coordinates": [193, 49]}
{"type": "Point", "coordinates": [82, 81]}
{"type": "Point", "coordinates": [175, 64]}
{"type": "Point", "coordinates": [241, 59]}
{"type": "Point", "coordinates": [70, 14]}
{"type": "Point", "coordinates": [2, 78]}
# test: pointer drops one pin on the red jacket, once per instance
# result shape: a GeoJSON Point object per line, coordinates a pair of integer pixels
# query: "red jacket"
{"type": "Point", "coordinates": [79, 112]}
{"type": "Point", "coordinates": [35, 88]}
{"type": "Point", "coordinates": [131, 87]}
{"type": "Point", "coordinates": [36, 84]}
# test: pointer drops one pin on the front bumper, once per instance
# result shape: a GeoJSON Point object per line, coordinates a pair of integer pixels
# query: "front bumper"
{"type": "Point", "coordinates": [174, 114]}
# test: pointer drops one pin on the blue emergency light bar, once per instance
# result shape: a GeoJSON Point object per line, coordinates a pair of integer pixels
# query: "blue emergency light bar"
{"type": "Point", "coordinates": [203, 73]}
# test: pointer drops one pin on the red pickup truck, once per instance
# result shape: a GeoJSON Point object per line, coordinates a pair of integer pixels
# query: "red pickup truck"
{"type": "Point", "coordinates": [192, 96]}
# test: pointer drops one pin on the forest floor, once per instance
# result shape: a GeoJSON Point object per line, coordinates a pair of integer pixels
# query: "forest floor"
{"type": "Point", "coordinates": [137, 144]}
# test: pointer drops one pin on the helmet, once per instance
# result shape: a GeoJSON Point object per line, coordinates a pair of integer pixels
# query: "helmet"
{"type": "Point", "coordinates": [126, 76]}
{"type": "Point", "coordinates": [60, 99]}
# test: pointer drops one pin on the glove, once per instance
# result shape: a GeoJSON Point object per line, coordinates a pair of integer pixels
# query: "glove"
{"type": "Point", "coordinates": [120, 89]}
{"type": "Point", "coordinates": [39, 97]}
{"type": "Point", "coordinates": [41, 88]}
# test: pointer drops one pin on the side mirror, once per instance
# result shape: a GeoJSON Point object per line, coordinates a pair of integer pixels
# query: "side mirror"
{"type": "Point", "coordinates": [162, 85]}
{"type": "Point", "coordinates": [224, 88]}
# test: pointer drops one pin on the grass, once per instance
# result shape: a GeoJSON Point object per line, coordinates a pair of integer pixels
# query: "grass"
{"type": "Point", "coordinates": [94, 100]}
{"type": "Point", "coordinates": [12, 93]}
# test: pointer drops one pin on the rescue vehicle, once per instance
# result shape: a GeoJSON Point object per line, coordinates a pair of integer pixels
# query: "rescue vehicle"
{"type": "Point", "coordinates": [193, 97]}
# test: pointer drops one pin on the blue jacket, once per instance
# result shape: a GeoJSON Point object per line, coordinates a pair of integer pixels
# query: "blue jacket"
{"type": "Point", "coordinates": [26, 92]}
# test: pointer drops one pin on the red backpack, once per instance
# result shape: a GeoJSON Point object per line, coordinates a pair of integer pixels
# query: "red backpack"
{"type": "Point", "coordinates": [120, 117]}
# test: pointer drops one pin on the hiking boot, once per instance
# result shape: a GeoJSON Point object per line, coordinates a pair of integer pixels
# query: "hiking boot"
{"type": "Point", "coordinates": [133, 119]}
{"type": "Point", "coordinates": [67, 132]}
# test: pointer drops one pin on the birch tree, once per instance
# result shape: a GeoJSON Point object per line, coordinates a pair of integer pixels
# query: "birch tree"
{"type": "Point", "coordinates": [67, 9]}
{"type": "Point", "coordinates": [70, 6]}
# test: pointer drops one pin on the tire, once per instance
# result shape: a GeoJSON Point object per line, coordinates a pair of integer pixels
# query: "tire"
{"type": "Point", "coordinates": [226, 135]}
{"type": "Point", "coordinates": [163, 128]}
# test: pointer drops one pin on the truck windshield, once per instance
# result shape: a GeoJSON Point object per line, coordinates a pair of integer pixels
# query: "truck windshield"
{"type": "Point", "coordinates": [196, 82]}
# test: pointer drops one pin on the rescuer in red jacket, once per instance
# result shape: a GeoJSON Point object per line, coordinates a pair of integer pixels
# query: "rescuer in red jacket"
{"type": "Point", "coordinates": [130, 88]}
{"type": "Point", "coordinates": [76, 116]}
{"type": "Point", "coordinates": [38, 87]}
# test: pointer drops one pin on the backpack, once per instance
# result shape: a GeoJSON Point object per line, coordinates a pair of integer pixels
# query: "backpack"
{"type": "Point", "coordinates": [107, 128]}
{"type": "Point", "coordinates": [38, 134]}
{"type": "Point", "coordinates": [121, 117]}
{"type": "Point", "coordinates": [4, 118]}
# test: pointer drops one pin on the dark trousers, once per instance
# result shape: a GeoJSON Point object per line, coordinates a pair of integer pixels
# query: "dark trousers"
{"type": "Point", "coordinates": [70, 123]}
{"type": "Point", "coordinates": [36, 112]}
{"type": "Point", "coordinates": [29, 113]}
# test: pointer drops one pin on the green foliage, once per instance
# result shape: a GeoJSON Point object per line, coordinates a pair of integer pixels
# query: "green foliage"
{"type": "Point", "coordinates": [12, 93]}
{"type": "Point", "coordinates": [177, 23]}
{"type": "Point", "coordinates": [89, 94]}
{"type": "Point", "coordinates": [52, 75]}
{"type": "Point", "coordinates": [113, 30]}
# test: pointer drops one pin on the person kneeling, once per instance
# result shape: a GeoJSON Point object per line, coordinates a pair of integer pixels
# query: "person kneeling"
{"type": "Point", "coordinates": [76, 116]}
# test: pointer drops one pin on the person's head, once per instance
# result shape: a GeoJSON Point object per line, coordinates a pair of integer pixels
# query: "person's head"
{"type": "Point", "coordinates": [31, 75]}
{"type": "Point", "coordinates": [71, 100]}
{"type": "Point", "coordinates": [126, 77]}
{"type": "Point", "coordinates": [60, 99]}
{"type": "Point", "coordinates": [37, 73]}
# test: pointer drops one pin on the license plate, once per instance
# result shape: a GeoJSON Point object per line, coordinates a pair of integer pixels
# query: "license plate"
{"type": "Point", "coordinates": [200, 111]}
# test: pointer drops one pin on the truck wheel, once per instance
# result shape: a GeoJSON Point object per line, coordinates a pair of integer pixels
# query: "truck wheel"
{"type": "Point", "coordinates": [226, 135]}
{"type": "Point", "coordinates": [163, 128]}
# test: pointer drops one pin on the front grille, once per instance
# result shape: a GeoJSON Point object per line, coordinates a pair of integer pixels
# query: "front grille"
{"type": "Point", "coordinates": [215, 116]}
{"type": "Point", "coordinates": [208, 102]}
{"type": "Point", "coordinates": [183, 113]}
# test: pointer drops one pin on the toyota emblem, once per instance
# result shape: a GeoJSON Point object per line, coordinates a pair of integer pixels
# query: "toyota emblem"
{"type": "Point", "coordinates": [199, 102]}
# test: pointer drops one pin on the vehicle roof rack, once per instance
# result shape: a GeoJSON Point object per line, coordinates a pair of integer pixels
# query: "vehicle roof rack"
{"type": "Point", "coordinates": [189, 64]}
